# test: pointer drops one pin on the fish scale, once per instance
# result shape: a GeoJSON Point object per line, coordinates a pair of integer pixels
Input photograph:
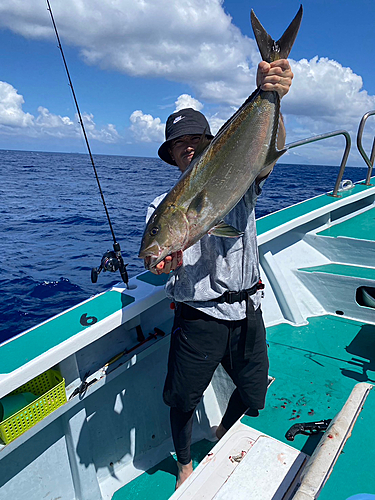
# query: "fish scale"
{"type": "Point", "coordinates": [220, 173]}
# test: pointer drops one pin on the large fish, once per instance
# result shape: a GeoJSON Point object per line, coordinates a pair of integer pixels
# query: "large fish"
{"type": "Point", "coordinates": [222, 171]}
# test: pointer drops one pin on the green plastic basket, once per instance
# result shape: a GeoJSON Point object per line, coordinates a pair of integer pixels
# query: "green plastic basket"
{"type": "Point", "coordinates": [50, 389]}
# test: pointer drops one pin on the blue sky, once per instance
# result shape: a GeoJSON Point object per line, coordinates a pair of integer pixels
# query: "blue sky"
{"type": "Point", "coordinates": [133, 62]}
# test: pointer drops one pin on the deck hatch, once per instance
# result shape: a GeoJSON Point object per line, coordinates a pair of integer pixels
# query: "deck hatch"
{"type": "Point", "coordinates": [365, 296]}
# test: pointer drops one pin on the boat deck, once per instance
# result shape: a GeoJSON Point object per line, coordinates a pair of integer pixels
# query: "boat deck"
{"type": "Point", "coordinates": [359, 227]}
{"type": "Point", "coordinates": [36, 341]}
{"type": "Point", "coordinates": [293, 212]}
{"type": "Point", "coordinates": [330, 352]}
{"type": "Point", "coordinates": [316, 357]}
{"type": "Point", "coordinates": [343, 270]}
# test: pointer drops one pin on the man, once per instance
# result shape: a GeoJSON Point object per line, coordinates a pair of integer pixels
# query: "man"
{"type": "Point", "coordinates": [214, 286]}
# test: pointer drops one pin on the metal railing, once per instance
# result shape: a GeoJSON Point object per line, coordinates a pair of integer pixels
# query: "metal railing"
{"type": "Point", "coordinates": [344, 158]}
{"type": "Point", "coordinates": [369, 161]}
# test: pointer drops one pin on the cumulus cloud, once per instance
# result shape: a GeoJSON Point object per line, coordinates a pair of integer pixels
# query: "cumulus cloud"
{"type": "Point", "coordinates": [325, 96]}
{"type": "Point", "coordinates": [190, 41]}
{"type": "Point", "coordinates": [54, 125]}
{"type": "Point", "coordinates": [146, 128]}
{"type": "Point", "coordinates": [325, 89]}
{"type": "Point", "coordinates": [107, 134]}
{"type": "Point", "coordinates": [11, 113]}
{"type": "Point", "coordinates": [193, 42]}
{"type": "Point", "coordinates": [187, 101]}
{"type": "Point", "coordinates": [14, 121]}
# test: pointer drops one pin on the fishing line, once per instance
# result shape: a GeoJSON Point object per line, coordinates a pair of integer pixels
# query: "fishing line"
{"type": "Point", "coordinates": [111, 261]}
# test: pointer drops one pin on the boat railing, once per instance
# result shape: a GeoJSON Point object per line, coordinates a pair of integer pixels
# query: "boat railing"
{"type": "Point", "coordinates": [369, 161]}
{"type": "Point", "coordinates": [344, 157]}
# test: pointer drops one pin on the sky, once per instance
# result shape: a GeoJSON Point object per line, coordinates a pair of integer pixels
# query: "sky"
{"type": "Point", "coordinates": [133, 62]}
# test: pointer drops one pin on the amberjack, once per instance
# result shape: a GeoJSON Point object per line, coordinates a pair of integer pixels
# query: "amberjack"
{"type": "Point", "coordinates": [222, 170]}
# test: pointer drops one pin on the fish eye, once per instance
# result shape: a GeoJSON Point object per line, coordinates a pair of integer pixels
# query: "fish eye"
{"type": "Point", "coordinates": [154, 231]}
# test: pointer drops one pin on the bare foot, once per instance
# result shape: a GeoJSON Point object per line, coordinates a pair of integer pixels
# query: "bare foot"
{"type": "Point", "coordinates": [220, 431]}
{"type": "Point", "coordinates": [184, 471]}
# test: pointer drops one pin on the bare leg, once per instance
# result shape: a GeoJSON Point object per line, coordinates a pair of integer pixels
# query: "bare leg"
{"type": "Point", "coordinates": [181, 423]}
{"type": "Point", "coordinates": [220, 431]}
{"type": "Point", "coordinates": [184, 471]}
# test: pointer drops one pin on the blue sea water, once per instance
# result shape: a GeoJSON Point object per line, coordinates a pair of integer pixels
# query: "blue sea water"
{"type": "Point", "coordinates": [54, 229]}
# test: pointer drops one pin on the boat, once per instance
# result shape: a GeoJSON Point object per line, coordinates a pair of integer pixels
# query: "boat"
{"type": "Point", "coordinates": [97, 427]}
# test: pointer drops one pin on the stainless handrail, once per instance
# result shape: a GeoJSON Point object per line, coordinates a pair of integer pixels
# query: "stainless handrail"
{"type": "Point", "coordinates": [344, 157]}
{"type": "Point", "coordinates": [369, 161]}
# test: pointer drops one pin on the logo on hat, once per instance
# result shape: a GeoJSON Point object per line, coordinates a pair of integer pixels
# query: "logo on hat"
{"type": "Point", "coordinates": [177, 119]}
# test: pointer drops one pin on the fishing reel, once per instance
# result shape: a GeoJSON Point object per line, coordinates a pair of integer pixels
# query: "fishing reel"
{"type": "Point", "coordinates": [111, 261]}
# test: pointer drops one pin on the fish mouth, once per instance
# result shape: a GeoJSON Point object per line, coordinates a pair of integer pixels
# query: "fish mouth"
{"type": "Point", "coordinates": [152, 255]}
{"type": "Point", "coordinates": [152, 250]}
{"type": "Point", "coordinates": [152, 262]}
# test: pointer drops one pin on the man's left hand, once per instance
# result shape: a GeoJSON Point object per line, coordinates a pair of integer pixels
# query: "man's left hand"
{"type": "Point", "coordinates": [276, 76]}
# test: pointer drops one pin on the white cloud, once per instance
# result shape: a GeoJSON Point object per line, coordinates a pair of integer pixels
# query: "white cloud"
{"type": "Point", "coordinates": [193, 42]}
{"type": "Point", "coordinates": [11, 113]}
{"type": "Point", "coordinates": [146, 128]}
{"type": "Point", "coordinates": [190, 41]}
{"type": "Point", "coordinates": [187, 101]}
{"type": "Point", "coordinates": [107, 134]}
{"type": "Point", "coordinates": [324, 89]}
{"type": "Point", "coordinates": [326, 96]}
{"type": "Point", "coordinates": [54, 125]}
{"type": "Point", "coordinates": [218, 119]}
{"type": "Point", "coordinates": [14, 121]}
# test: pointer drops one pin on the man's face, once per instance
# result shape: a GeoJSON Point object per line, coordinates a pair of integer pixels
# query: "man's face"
{"type": "Point", "coordinates": [182, 150]}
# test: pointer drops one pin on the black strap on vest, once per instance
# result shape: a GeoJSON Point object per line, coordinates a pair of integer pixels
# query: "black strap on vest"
{"type": "Point", "coordinates": [232, 297]}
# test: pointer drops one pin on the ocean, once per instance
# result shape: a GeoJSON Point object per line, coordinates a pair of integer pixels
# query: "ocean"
{"type": "Point", "coordinates": [54, 229]}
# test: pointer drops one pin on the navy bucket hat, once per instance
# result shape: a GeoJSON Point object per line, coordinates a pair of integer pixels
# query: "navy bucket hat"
{"type": "Point", "coordinates": [183, 122]}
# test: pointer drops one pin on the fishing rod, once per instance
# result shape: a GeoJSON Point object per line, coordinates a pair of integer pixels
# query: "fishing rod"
{"type": "Point", "coordinates": [111, 260]}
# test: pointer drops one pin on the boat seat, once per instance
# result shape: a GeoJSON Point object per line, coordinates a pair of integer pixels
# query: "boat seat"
{"type": "Point", "coordinates": [246, 464]}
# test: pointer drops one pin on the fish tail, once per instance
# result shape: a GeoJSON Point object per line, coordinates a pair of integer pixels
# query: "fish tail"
{"type": "Point", "coordinates": [268, 48]}
{"type": "Point", "coordinates": [273, 153]}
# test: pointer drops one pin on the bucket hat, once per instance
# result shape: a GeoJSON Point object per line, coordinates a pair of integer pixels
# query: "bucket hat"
{"type": "Point", "coordinates": [183, 122]}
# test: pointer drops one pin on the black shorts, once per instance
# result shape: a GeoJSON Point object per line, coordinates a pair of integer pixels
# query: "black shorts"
{"type": "Point", "coordinates": [199, 343]}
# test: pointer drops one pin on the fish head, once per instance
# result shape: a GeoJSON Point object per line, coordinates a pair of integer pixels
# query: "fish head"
{"type": "Point", "coordinates": [166, 232]}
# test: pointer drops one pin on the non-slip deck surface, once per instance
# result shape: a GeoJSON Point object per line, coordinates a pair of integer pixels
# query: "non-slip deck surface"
{"type": "Point", "coordinates": [315, 368]}
{"type": "Point", "coordinates": [159, 482]}
{"type": "Point", "coordinates": [287, 214]}
{"type": "Point", "coordinates": [361, 227]}
{"type": "Point", "coordinates": [343, 270]}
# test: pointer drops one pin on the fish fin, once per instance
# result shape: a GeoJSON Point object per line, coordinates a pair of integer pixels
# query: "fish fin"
{"type": "Point", "coordinates": [202, 145]}
{"type": "Point", "coordinates": [273, 156]}
{"type": "Point", "coordinates": [225, 230]}
{"type": "Point", "coordinates": [197, 204]}
{"type": "Point", "coordinates": [268, 48]}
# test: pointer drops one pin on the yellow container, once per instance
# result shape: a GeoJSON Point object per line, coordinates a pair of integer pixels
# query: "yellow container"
{"type": "Point", "coordinates": [50, 389]}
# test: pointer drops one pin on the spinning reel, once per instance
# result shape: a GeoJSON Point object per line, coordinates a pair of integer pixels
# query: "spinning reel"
{"type": "Point", "coordinates": [111, 261]}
